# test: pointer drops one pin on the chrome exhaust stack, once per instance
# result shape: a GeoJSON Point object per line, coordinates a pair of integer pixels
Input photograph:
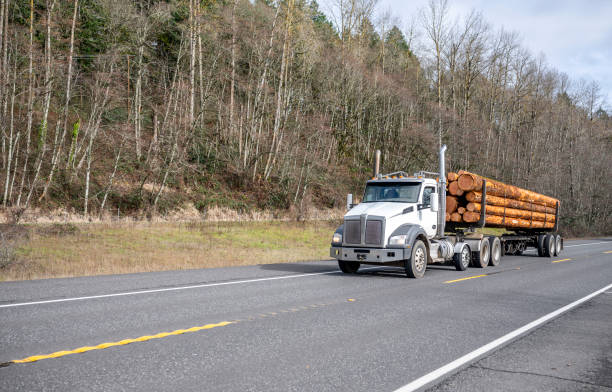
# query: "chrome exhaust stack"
{"type": "Point", "coordinates": [377, 164]}
{"type": "Point", "coordinates": [442, 193]}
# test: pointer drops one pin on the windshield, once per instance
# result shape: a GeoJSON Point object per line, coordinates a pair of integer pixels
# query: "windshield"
{"type": "Point", "coordinates": [403, 192]}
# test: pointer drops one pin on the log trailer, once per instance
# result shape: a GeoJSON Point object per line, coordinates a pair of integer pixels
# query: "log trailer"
{"type": "Point", "coordinates": [402, 221]}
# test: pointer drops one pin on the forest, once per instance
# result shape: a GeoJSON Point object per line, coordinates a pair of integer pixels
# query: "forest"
{"type": "Point", "coordinates": [140, 107]}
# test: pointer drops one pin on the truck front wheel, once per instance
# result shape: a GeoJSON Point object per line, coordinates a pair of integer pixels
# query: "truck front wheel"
{"type": "Point", "coordinates": [416, 265]}
{"type": "Point", "coordinates": [348, 267]}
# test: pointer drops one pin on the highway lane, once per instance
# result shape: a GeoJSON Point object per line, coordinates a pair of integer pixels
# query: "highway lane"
{"type": "Point", "coordinates": [294, 326]}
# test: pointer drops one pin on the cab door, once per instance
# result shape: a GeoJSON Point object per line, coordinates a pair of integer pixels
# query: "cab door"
{"type": "Point", "coordinates": [429, 218]}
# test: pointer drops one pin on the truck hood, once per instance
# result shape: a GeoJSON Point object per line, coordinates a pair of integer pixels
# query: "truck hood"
{"type": "Point", "coordinates": [384, 209]}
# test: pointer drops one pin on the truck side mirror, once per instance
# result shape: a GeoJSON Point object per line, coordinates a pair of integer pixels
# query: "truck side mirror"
{"type": "Point", "coordinates": [349, 201]}
{"type": "Point", "coordinates": [434, 202]}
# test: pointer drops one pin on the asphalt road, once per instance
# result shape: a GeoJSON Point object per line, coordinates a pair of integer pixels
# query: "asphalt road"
{"type": "Point", "coordinates": [307, 327]}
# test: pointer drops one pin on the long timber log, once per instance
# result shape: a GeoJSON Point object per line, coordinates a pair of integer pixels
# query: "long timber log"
{"type": "Point", "coordinates": [511, 212]}
{"type": "Point", "coordinates": [500, 221]}
{"type": "Point", "coordinates": [473, 182]}
{"type": "Point", "coordinates": [476, 197]}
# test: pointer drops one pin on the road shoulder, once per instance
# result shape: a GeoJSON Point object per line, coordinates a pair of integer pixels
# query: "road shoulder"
{"type": "Point", "coordinates": [572, 352]}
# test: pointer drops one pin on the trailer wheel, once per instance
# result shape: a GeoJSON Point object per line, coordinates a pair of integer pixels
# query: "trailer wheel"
{"type": "Point", "coordinates": [549, 245]}
{"type": "Point", "coordinates": [481, 259]}
{"type": "Point", "coordinates": [416, 265]}
{"type": "Point", "coordinates": [541, 247]}
{"type": "Point", "coordinates": [462, 259]}
{"type": "Point", "coordinates": [496, 254]}
{"type": "Point", "coordinates": [348, 267]}
{"type": "Point", "coordinates": [558, 245]}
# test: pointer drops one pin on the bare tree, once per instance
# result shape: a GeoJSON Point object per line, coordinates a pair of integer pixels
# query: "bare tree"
{"type": "Point", "coordinates": [434, 21]}
{"type": "Point", "coordinates": [57, 145]}
{"type": "Point", "coordinates": [42, 141]}
{"type": "Point", "coordinates": [30, 102]}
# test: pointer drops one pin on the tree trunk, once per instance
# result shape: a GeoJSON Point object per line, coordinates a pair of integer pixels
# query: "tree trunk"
{"type": "Point", "coordinates": [110, 181]}
{"type": "Point", "coordinates": [192, 59]}
{"type": "Point", "coordinates": [30, 103]}
{"type": "Point", "coordinates": [42, 141]}
{"type": "Point", "coordinates": [57, 151]}
{"type": "Point", "coordinates": [233, 73]}
{"type": "Point", "coordinates": [138, 98]}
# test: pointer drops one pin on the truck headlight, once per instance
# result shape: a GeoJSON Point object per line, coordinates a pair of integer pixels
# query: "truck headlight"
{"type": "Point", "coordinates": [337, 238]}
{"type": "Point", "coordinates": [398, 240]}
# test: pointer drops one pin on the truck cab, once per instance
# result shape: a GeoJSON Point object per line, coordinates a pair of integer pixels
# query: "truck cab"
{"type": "Point", "coordinates": [396, 210]}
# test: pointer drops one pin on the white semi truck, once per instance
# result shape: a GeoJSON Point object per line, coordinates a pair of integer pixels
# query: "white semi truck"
{"type": "Point", "coordinates": [401, 221]}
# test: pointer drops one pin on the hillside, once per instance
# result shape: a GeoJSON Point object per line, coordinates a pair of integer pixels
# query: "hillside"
{"type": "Point", "coordinates": [141, 107]}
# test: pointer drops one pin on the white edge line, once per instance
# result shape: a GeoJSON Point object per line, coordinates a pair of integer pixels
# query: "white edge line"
{"type": "Point", "coordinates": [459, 362]}
{"type": "Point", "coordinates": [171, 289]}
{"type": "Point", "coordinates": [571, 246]}
{"type": "Point", "coordinates": [590, 243]}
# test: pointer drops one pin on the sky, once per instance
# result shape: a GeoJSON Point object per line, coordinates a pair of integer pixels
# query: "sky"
{"type": "Point", "coordinates": [574, 36]}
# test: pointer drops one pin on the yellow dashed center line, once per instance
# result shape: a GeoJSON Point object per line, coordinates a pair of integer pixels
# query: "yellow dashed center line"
{"type": "Point", "coordinates": [559, 261]}
{"type": "Point", "coordinates": [608, 252]}
{"type": "Point", "coordinates": [161, 335]}
{"type": "Point", "coordinates": [471, 277]}
{"type": "Point", "coordinates": [102, 346]}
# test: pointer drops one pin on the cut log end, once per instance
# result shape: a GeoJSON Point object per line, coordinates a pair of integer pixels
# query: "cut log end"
{"type": "Point", "coordinates": [453, 189]}
{"type": "Point", "coordinates": [467, 182]}
{"type": "Point", "coordinates": [455, 217]}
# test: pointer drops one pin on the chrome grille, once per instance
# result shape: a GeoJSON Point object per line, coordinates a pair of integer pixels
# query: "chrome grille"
{"type": "Point", "coordinates": [352, 232]}
{"type": "Point", "coordinates": [373, 234]}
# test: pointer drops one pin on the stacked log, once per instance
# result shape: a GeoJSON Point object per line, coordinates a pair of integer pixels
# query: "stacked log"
{"type": "Point", "coordinates": [506, 205]}
{"type": "Point", "coordinates": [451, 204]}
{"type": "Point", "coordinates": [511, 212]}
{"type": "Point", "coordinates": [472, 182]}
{"type": "Point", "coordinates": [500, 201]}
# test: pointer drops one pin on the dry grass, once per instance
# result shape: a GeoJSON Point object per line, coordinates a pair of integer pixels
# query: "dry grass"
{"type": "Point", "coordinates": [63, 250]}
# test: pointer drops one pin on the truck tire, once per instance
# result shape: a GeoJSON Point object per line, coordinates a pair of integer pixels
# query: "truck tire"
{"type": "Point", "coordinates": [481, 259]}
{"type": "Point", "coordinates": [549, 245]}
{"type": "Point", "coordinates": [558, 245]}
{"type": "Point", "coordinates": [496, 252]}
{"type": "Point", "coordinates": [541, 239]}
{"type": "Point", "coordinates": [348, 267]}
{"type": "Point", "coordinates": [462, 259]}
{"type": "Point", "coordinates": [416, 265]}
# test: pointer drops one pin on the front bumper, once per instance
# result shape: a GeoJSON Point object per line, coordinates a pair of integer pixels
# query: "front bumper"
{"type": "Point", "coordinates": [370, 255]}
